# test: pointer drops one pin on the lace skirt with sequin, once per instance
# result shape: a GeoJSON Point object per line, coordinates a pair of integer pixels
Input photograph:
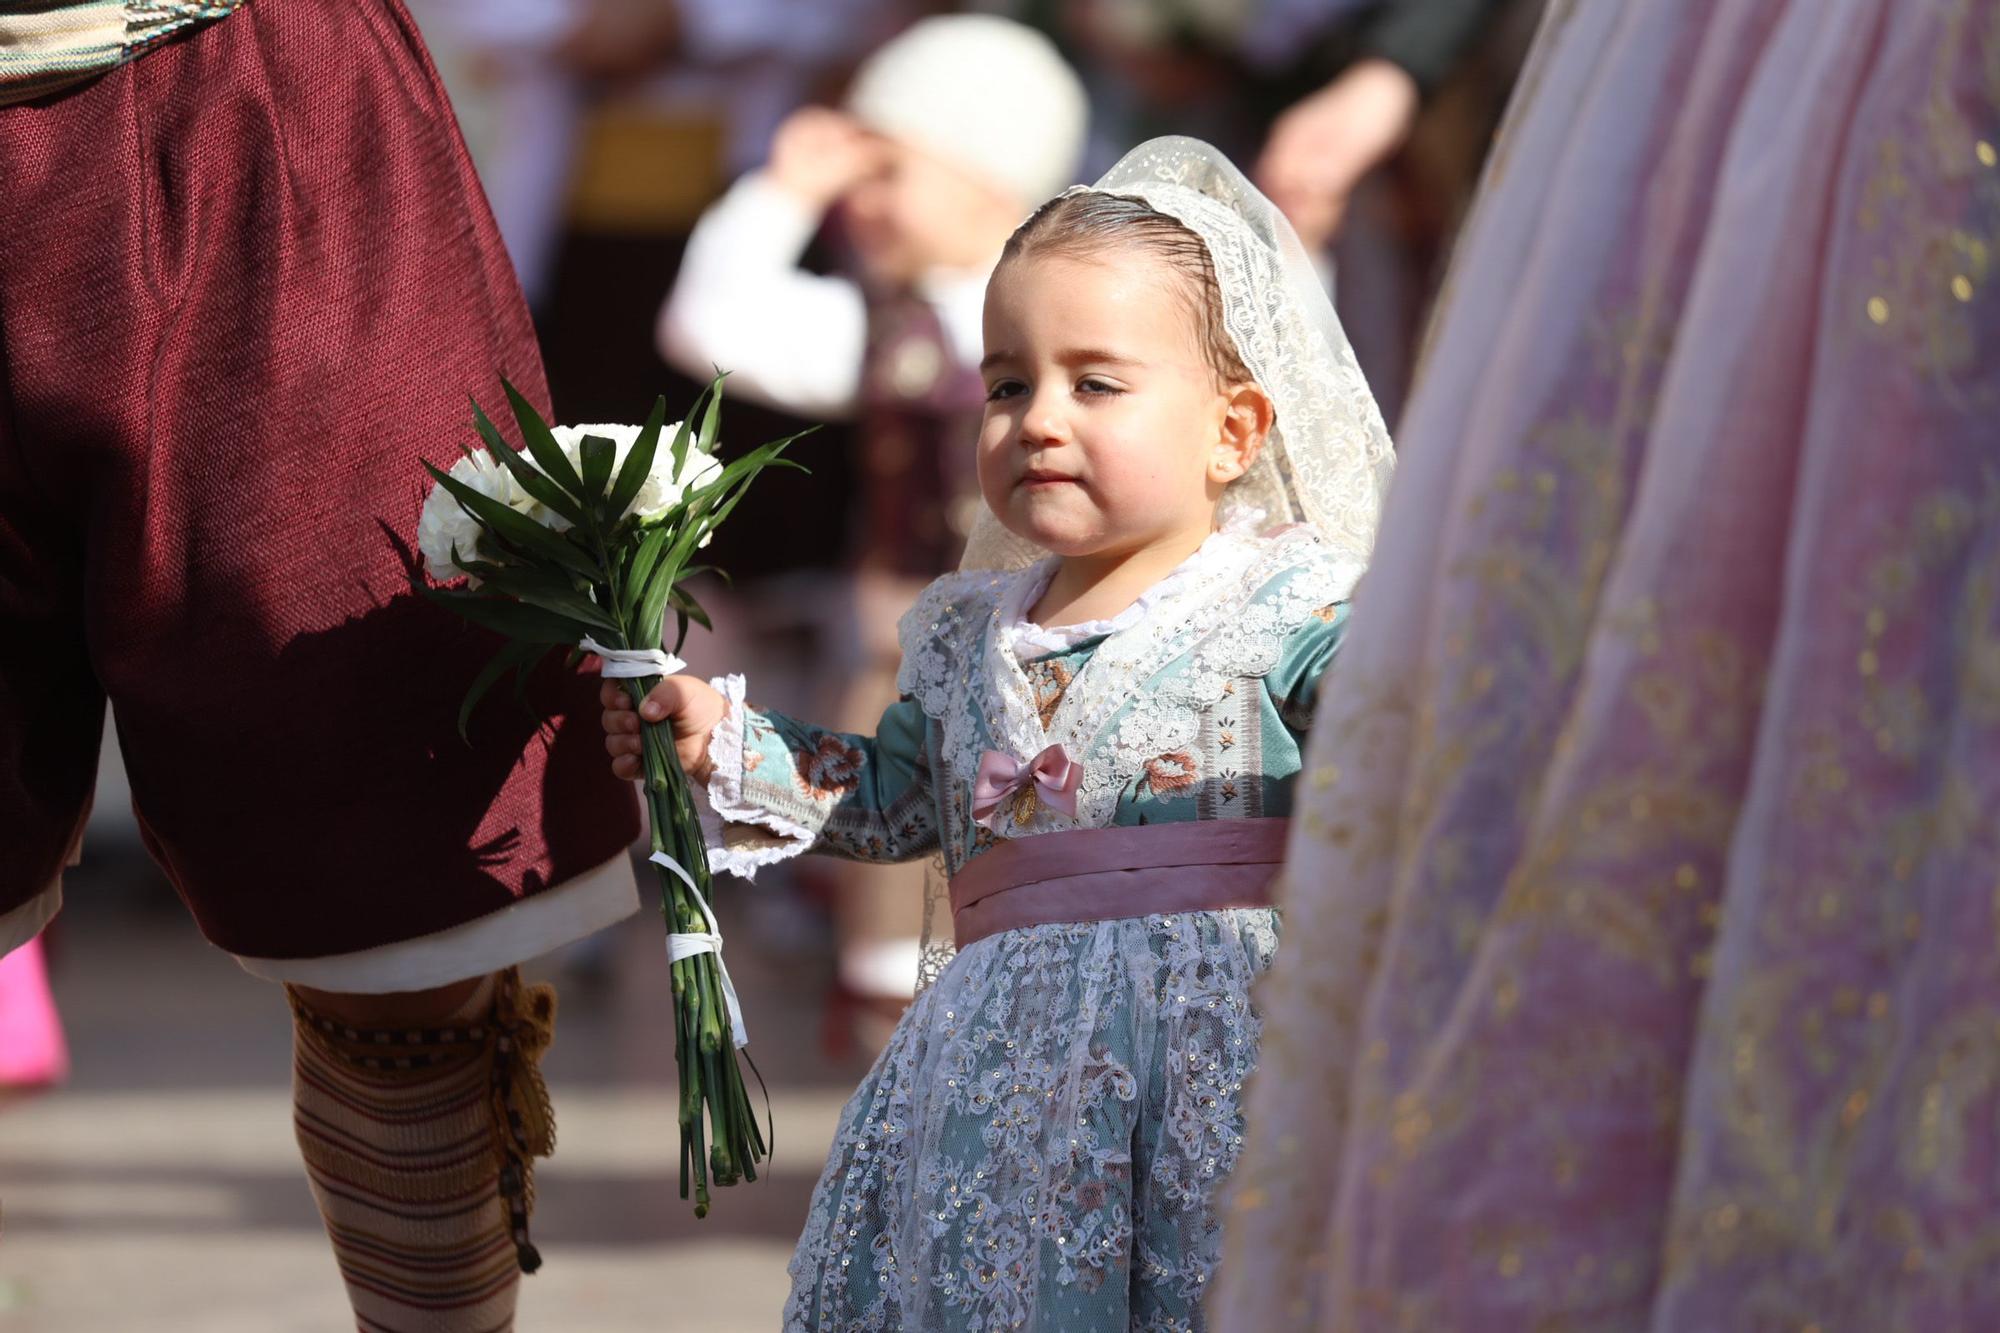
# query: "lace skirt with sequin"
{"type": "Point", "coordinates": [1041, 1143]}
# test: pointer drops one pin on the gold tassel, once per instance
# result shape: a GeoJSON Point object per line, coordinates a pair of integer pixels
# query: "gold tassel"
{"type": "Point", "coordinates": [519, 1030]}
{"type": "Point", "coordinates": [524, 1119]}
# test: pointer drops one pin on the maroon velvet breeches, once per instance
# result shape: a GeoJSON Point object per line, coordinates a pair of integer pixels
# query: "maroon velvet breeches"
{"type": "Point", "coordinates": [247, 283]}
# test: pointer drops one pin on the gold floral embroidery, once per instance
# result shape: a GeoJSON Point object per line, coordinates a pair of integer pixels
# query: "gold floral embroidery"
{"type": "Point", "coordinates": [1831, 1124]}
{"type": "Point", "coordinates": [1050, 680]}
{"type": "Point", "coordinates": [1919, 295]}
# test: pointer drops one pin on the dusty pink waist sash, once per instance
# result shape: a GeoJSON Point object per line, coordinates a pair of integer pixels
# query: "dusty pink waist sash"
{"type": "Point", "coordinates": [1105, 874]}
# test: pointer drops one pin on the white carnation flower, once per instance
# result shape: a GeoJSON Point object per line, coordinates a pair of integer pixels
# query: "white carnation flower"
{"type": "Point", "coordinates": [663, 488]}
{"type": "Point", "coordinates": [446, 531]}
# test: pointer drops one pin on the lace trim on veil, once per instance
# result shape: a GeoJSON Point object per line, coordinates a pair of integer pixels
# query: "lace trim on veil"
{"type": "Point", "coordinates": [1328, 458]}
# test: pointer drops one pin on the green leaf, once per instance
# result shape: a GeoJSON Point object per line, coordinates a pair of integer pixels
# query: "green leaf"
{"type": "Point", "coordinates": [641, 569]}
{"type": "Point", "coordinates": [518, 657]}
{"type": "Point", "coordinates": [688, 608]}
{"type": "Point", "coordinates": [515, 529]}
{"type": "Point", "coordinates": [488, 432]}
{"type": "Point", "coordinates": [763, 456]}
{"type": "Point", "coordinates": [723, 495]}
{"type": "Point", "coordinates": [701, 511]}
{"type": "Point", "coordinates": [531, 478]}
{"type": "Point", "coordinates": [712, 418]}
{"type": "Point", "coordinates": [503, 615]}
{"type": "Point", "coordinates": [656, 568]}
{"type": "Point", "coordinates": [648, 623]}
{"type": "Point", "coordinates": [541, 442]}
{"type": "Point", "coordinates": [685, 433]}
{"type": "Point", "coordinates": [597, 455]}
{"type": "Point", "coordinates": [544, 588]}
{"type": "Point", "coordinates": [632, 475]}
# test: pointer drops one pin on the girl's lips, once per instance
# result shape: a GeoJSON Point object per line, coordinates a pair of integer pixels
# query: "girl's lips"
{"type": "Point", "coordinates": [1046, 479]}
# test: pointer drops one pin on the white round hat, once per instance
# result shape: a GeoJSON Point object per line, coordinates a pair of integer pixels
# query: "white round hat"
{"type": "Point", "coordinates": [985, 93]}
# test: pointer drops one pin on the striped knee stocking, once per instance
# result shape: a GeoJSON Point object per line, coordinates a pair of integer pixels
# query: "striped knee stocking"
{"type": "Point", "coordinates": [419, 1145]}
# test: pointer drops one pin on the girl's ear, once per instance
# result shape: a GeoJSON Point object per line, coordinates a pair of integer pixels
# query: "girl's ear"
{"type": "Point", "coordinates": [1247, 415]}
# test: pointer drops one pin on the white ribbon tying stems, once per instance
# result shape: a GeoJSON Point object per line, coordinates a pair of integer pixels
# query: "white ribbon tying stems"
{"type": "Point", "coordinates": [632, 663]}
{"type": "Point", "coordinates": [629, 664]}
{"type": "Point", "coordinates": [687, 946]}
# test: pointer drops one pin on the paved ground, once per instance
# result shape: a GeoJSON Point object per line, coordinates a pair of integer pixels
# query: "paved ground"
{"type": "Point", "coordinates": [161, 1191]}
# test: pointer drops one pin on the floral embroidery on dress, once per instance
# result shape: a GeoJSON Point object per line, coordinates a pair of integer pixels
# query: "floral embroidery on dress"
{"type": "Point", "coordinates": [1038, 1146]}
{"type": "Point", "coordinates": [831, 768]}
{"type": "Point", "coordinates": [1050, 680]}
{"type": "Point", "coordinates": [1170, 774]}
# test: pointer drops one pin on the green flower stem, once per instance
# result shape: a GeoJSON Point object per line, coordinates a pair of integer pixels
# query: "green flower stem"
{"type": "Point", "coordinates": [720, 1136]}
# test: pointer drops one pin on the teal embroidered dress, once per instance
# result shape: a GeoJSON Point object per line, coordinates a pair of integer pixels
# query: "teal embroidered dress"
{"type": "Point", "coordinates": [1041, 1142]}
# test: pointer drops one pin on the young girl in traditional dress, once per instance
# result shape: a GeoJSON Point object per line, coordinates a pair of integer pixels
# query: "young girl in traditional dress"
{"type": "Point", "coordinates": [1101, 723]}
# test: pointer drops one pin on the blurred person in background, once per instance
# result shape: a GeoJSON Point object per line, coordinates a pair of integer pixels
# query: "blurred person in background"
{"type": "Point", "coordinates": [948, 136]}
{"type": "Point", "coordinates": [1376, 160]}
{"type": "Point", "coordinates": [1368, 120]}
{"type": "Point", "coordinates": [1380, 60]}
{"type": "Point", "coordinates": [763, 59]}
{"type": "Point", "coordinates": [525, 75]}
{"type": "Point", "coordinates": [1330, 89]}
{"type": "Point", "coordinates": [517, 74]}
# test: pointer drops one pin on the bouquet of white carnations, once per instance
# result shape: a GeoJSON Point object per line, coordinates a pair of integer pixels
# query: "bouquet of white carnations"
{"type": "Point", "coordinates": [581, 542]}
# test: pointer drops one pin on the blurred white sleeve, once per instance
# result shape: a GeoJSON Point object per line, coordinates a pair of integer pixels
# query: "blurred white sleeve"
{"type": "Point", "coordinates": [790, 339]}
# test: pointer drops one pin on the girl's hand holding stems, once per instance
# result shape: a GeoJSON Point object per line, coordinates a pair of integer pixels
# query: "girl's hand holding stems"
{"type": "Point", "coordinates": [695, 708]}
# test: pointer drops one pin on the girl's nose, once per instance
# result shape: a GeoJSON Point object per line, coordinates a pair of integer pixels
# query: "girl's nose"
{"type": "Point", "coordinates": [1043, 425]}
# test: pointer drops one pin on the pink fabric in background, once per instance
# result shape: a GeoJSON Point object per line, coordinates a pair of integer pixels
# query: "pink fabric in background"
{"type": "Point", "coordinates": [1642, 952]}
{"type": "Point", "coordinates": [32, 1051]}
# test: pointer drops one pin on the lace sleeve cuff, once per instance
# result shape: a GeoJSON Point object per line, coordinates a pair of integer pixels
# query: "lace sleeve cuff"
{"type": "Point", "coordinates": [742, 834]}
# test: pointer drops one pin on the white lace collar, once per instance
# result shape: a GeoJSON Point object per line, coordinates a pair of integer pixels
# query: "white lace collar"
{"type": "Point", "coordinates": [1026, 639]}
{"type": "Point", "coordinates": [1226, 620]}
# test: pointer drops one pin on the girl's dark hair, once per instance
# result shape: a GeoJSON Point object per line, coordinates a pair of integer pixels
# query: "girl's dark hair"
{"type": "Point", "coordinates": [1087, 224]}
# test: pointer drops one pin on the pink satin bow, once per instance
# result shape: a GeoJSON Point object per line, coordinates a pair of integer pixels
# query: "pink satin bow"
{"type": "Point", "coordinates": [1007, 786]}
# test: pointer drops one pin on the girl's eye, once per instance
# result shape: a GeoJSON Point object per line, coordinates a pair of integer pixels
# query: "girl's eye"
{"type": "Point", "coordinates": [1003, 389]}
{"type": "Point", "coordinates": [1097, 387]}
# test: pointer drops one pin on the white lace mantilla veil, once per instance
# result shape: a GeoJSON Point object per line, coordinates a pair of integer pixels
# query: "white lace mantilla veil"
{"type": "Point", "coordinates": [1328, 457]}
